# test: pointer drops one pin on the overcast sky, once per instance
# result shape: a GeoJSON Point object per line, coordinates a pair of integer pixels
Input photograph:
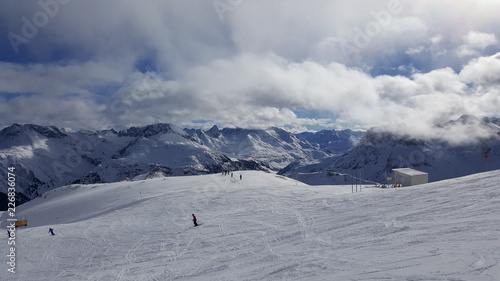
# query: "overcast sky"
{"type": "Point", "coordinates": [297, 64]}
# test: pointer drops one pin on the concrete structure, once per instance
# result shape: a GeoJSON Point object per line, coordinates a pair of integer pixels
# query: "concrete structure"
{"type": "Point", "coordinates": [409, 177]}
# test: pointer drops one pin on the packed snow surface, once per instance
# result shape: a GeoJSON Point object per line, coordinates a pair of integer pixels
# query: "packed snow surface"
{"type": "Point", "coordinates": [262, 227]}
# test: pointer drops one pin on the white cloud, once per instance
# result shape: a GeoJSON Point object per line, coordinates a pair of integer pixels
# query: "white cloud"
{"type": "Point", "coordinates": [475, 43]}
{"type": "Point", "coordinates": [483, 71]}
{"type": "Point", "coordinates": [252, 90]}
{"type": "Point", "coordinates": [437, 39]}
{"type": "Point", "coordinates": [258, 91]}
{"type": "Point", "coordinates": [255, 67]}
{"type": "Point", "coordinates": [480, 41]}
{"type": "Point", "coordinates": [415, 50]}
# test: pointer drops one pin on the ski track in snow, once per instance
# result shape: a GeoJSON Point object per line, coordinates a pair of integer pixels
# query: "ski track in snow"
{"type": "Point", "coordinates": [262, 228]}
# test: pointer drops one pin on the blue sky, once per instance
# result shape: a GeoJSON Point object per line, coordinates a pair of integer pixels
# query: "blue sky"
{"type": "Point", "coordinates": [301, 65]}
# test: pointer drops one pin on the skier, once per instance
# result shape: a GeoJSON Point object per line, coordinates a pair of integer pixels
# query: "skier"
{"type": "Point", "coordinates": [51, 231]}
{"type": "Point", "coordinates": [241, 177]}
{"type": "Point", "coordinates": [194, 220]}
{"type": "Point", "coordinates": [8, 233]}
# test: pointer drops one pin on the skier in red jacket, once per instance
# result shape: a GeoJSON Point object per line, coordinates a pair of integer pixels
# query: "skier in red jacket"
{"type": "Point", "coordinates": [194, 220]}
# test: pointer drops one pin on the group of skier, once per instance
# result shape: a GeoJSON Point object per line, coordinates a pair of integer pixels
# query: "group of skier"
{"type": "Point", "coordinates": [226, 173]}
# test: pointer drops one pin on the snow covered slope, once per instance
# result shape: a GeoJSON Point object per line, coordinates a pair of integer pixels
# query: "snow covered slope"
{"type": "Point", "coordinates": [263, 227]}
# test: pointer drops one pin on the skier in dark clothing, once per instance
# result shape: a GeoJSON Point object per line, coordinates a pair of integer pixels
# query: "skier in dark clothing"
{"type": "Point", "coordinates": [8, 233]}
{"type": "Point", "coordinates": [194, 220]}
{"type": "Point", "coordinates": [51, 231]}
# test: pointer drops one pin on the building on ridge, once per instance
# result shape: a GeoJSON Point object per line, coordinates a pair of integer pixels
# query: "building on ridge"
{"type": "Point", "coordinates": [409, 177]}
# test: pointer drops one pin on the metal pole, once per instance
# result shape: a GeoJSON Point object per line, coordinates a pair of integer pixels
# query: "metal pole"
{"type": "Point", "coordinates": [352, 183]}
{"type": "Point", "coordinates": [357, 178]}
{"type": "Point", "coordinates": [360, 184]}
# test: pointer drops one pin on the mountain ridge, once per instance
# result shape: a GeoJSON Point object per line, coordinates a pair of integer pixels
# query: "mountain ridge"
{"type": "Point", "coordinates": [47, 157]}
{"type": "Point", "coordinates": [381, 150]}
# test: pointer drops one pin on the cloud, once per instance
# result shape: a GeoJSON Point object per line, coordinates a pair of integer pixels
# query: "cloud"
{"type": "Point", "coordinates": [57, 79]}
{"type": "Point", "coordinates": [475, 43]}
{"type": "Point", "coordinates": [259, 65]}
{"type": "Point", "coordinates": [67, 112]}
{"type": "Point", "coordinates": [175, 36]}
{"type": "Point", "coordinates": [250, 90]}
{"type": "Point", "coordinates": [483, 71]}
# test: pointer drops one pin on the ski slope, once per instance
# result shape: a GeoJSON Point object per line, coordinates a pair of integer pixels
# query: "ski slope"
{"type": "Point", "coordinates": [263, 227]}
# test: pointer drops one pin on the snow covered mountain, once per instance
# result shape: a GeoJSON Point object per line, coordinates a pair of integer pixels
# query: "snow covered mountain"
{"type": "Point", "coordinates": [474, 147]}
{"type": "Point", "coordinates": [274, 147]}
{"type": "Point", "coordinates": [48, 157]}
{"type": "Point", "coordinates": [334, 141]}
{"type": "Point", "coordinates": [264, 227]}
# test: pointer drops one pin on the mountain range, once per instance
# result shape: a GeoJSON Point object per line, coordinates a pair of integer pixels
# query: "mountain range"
{"type": "Point", "coordinates": [459, 147]}
{"type": "Point", "coordinates": [46, 157]}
